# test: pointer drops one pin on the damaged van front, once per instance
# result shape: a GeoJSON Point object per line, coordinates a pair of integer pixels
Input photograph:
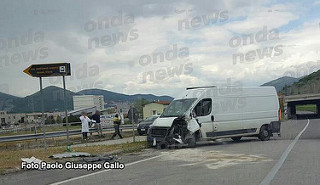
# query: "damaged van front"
{"type": "Point", "coordinates": [175, 125]}
{"type": "Point", "coordinates": [210, 113]}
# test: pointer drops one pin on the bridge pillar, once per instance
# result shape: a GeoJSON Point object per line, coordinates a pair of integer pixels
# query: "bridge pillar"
{"type": "Point", "coordinates": [291, 110]}
{"type": "Point", "coordinates": [318, 108]}
{"type": "Point", "coordinates": [288, 111]}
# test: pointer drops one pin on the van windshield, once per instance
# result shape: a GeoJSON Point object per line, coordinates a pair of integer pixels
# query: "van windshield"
{"type": "Point", "coordinates": [178, 107]}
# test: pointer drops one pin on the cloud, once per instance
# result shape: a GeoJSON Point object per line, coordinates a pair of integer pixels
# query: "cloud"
{"type": "Point", "coordinates": [156, 30]}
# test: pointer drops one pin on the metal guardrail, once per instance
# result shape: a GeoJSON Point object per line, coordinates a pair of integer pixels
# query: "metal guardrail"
{"type": "Point", "coordinates": [38, 126]}
{"type": "Point", "coordinates": [53, 134]}
{"type": "Point", "coordinates": [32, 127]}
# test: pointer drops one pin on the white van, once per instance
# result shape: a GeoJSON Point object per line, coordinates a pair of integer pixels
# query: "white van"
{"type": "Point", "coordinates": [203, 113]}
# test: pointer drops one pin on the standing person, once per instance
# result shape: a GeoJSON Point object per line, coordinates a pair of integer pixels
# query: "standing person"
{"type": "Point", "coordinates": [116, 123]}
{"type": "Point", "coordinates": [84, 125]}
{"type": "Point", "coordinates": [96, 117]}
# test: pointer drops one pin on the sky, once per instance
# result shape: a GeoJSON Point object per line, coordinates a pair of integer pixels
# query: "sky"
{"type": "Point", "coordinates": [157, 47]}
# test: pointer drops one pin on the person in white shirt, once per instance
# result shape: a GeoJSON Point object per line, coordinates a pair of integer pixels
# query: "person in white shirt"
{"type": "Point", "coordinates": [85, 125]}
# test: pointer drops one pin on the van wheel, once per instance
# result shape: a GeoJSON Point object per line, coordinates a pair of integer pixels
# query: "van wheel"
{"type": "Point", "coordinates": [236, 138]}
{"type": "Point", "coordinates": [264, 134]}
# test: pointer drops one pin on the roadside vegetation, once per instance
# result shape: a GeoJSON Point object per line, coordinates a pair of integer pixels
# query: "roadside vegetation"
{"type": "Point", "coordinates": [311, 108]}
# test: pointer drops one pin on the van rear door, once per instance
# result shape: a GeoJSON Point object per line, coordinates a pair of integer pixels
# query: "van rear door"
{"type": "Point", "coordinates": [259, 110]}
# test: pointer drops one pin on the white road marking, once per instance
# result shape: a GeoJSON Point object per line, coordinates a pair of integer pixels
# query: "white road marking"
{"type": "Point", "coordinates": [277, 166]}
{"type": "Point", "coordinates": [95, 173]}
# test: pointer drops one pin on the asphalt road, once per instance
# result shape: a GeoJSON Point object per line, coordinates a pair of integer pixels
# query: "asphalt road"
{"type": "Point", "coordinates": [293, 158]}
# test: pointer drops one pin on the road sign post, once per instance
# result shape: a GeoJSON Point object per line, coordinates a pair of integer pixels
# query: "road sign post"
{"type": "Point", "coordinates": [66, 112]}
{"type": "Point", "coordinates": [133, 117]}
{"type": "Point", "coordinates": [43, 124]}
{"type": "Point", "coordinates": [133, 134]}
{"type": "Point", "coordinates": [49, 70]}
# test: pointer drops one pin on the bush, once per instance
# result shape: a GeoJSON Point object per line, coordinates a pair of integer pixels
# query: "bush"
{"type": "Point", "coordinates": [72, 119]}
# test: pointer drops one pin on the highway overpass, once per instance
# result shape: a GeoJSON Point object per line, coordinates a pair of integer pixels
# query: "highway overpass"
{"type": "Point", "coordinates": [302, 99]}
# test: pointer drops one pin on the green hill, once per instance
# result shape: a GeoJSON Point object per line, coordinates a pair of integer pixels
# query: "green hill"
{"type": "Point", "coordinates": [53, 101]}
{"type": "Point", "coordinates": [280, 83]}
{"type": "Point", "coordinates": [307, 85]}
{"type": "Point", "coordinates": [7, 101]}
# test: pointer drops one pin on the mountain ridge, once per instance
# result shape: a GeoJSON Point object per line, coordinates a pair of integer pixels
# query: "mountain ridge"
{"type": "Point", "coordinates": [281, 82]}
{"type": "Point", "coordinates": [54, 101]}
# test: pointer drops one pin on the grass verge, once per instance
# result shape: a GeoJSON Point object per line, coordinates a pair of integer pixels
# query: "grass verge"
{"type": "Point", "coordinates": [311, 108]}
{"type": "Point", "coordinates": [59, 141]}
{"type": "Point", "coordinates": [11, 160]}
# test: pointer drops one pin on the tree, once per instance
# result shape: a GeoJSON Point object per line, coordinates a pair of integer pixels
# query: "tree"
{"type": "Point", "coordinates": [139, 105]}
{"type": "Point", "coordinates": [72, 119]}
{"type": "Point", "coordinates": [48, 120]}
{"type": "Point", "coordinates": [58, 120]}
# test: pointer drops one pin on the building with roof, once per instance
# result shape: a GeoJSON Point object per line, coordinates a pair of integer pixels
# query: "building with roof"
{"type": "Point", "coordinates": [85, 101]}
{"type": "Point", "coordinates": [154, 108]}
{"type": "Point", "coordinates": [27, 118]}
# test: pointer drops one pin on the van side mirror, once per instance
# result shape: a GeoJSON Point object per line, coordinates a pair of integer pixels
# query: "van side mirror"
{"type": "Point", "coordinates": [193, 114]}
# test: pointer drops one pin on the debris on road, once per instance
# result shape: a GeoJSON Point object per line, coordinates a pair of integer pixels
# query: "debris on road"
{"type": "Point", "coordinates": [70, 155]}
{"type": "Point", "coordinates": [31, 160]}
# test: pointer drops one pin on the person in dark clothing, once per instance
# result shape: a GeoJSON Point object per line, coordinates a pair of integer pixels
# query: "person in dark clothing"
{"type": "Point", "coordinates": [116, 123]}
{"type": "Point", "coordinates": [96, 117]}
